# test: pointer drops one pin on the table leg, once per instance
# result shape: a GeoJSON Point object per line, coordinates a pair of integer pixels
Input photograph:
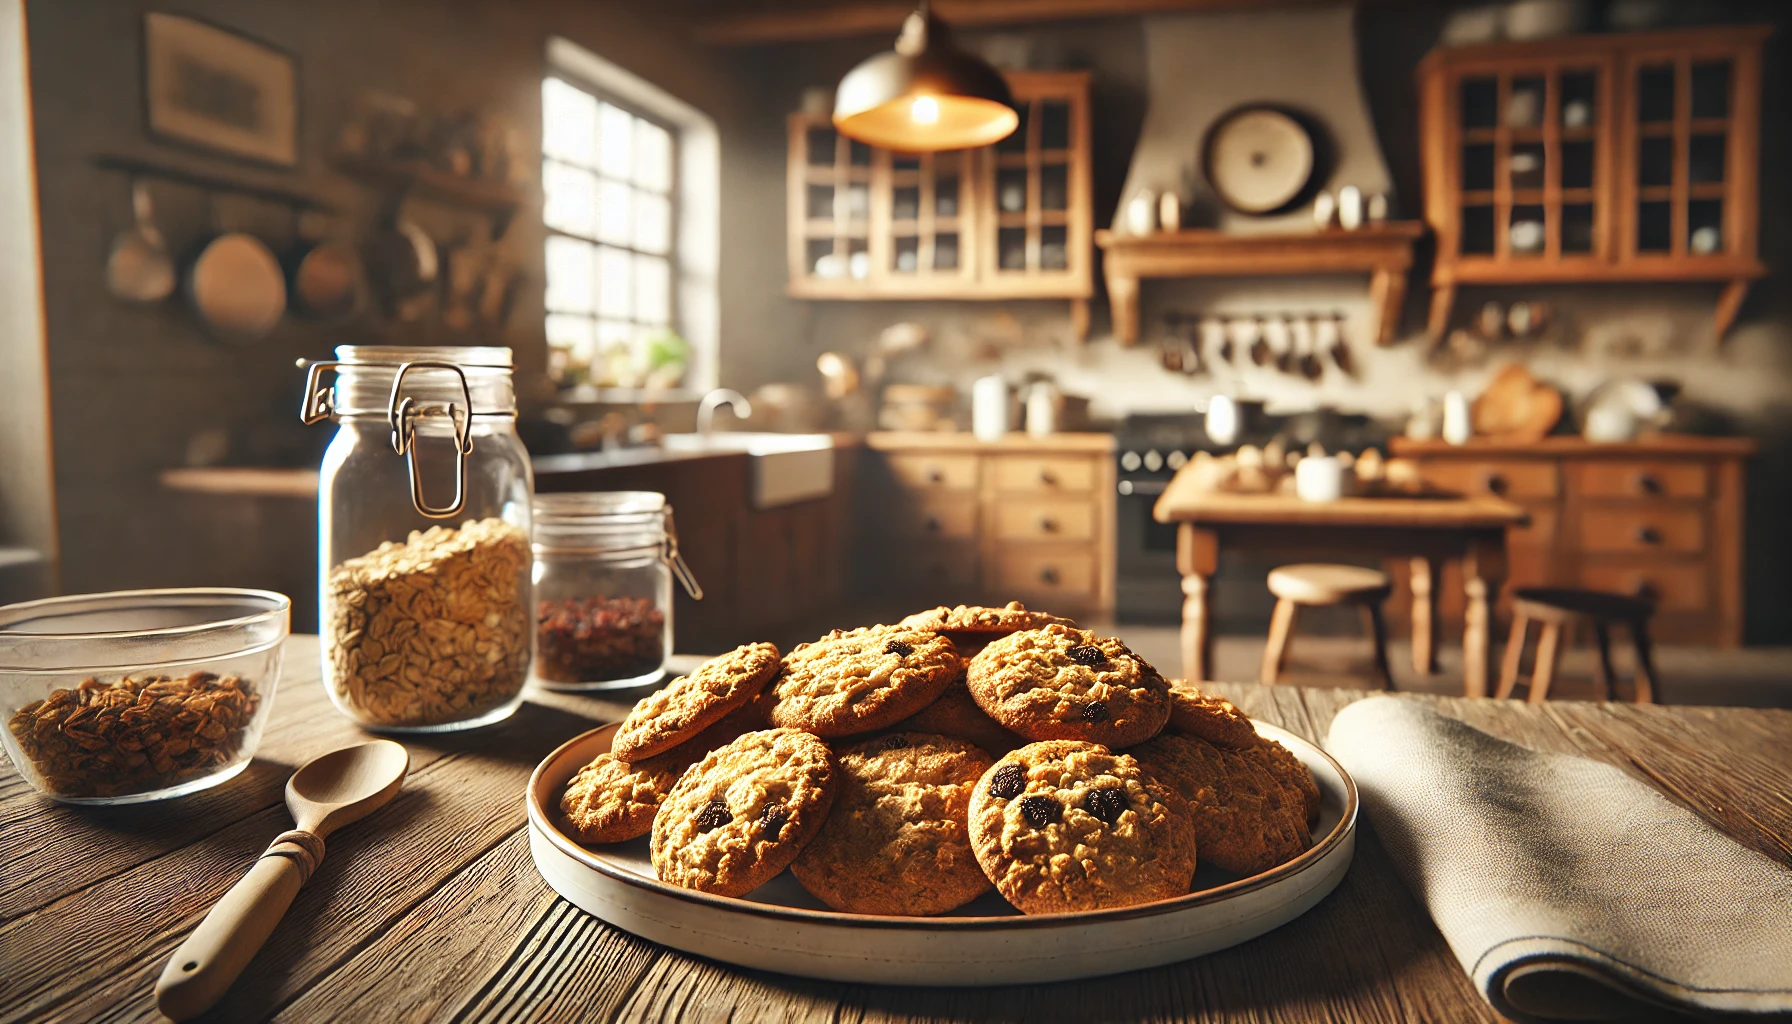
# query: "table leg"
{"type": "Point", "coordinates": [1424, 615]}
{"type": "Point", "coordinates": [1483, 570]}
{"type": "Point", "coordinates": [1197, 557]}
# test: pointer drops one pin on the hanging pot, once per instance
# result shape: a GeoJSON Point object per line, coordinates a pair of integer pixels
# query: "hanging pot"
{"type": "Point", "coordinates": [323, 277]}
{"type": "Point", "coordinates": [139, 269]}
{"type": "Point", "coordinates": [236, 287]}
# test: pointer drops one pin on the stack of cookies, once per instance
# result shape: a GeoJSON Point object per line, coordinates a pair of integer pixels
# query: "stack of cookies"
{"type": "Point", "coordinates": [906, 769]}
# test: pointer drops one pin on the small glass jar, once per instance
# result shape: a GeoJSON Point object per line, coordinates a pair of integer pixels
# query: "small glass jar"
{"type": "Point", "coordinates": [604, 565]}
{"type": "Point", "coordinates": [424, 502]}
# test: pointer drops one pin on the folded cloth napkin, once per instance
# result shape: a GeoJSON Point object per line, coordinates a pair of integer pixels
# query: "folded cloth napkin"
{"type": "Point", "coordinates": [1569, 890]}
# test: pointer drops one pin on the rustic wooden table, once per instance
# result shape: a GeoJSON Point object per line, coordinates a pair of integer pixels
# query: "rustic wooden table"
{"type": "Point", "coordinates": [1426, 530]}
{"type": "Point", "coordinates": [432, 909]}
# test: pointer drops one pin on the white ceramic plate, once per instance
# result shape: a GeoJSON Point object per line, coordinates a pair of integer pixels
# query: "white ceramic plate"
{"type": "Point", "coordinates": [780, 927]}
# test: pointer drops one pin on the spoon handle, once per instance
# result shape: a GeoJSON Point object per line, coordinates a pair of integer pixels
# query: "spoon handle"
{"type": "Point", "coordinates": [205, 965]}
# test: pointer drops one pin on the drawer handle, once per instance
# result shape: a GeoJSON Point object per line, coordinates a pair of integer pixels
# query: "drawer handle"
{"type": "Point", "coordinates": [1496, 483]}
{"type": "Point", "coordinates": [933, 524]}
{"type": "Point", "coordinates": [1648, 483]}
{"type": "Point", "coordinates": [1048, 525]}
{"type": "Point", "coordinates": [1648, 535]}
{"type": "Point", "coordinates": [1049, 575]}
{"type": "Point", "coordinates": [1647, 591]}
{"type": "Point", "coordinates": [1048, 478]}
{"type": "Point", "coordinates": [935, 475]}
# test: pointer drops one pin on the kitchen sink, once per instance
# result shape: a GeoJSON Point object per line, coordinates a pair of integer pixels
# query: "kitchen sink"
{"type": "Point", "coordinates": [785, 468]}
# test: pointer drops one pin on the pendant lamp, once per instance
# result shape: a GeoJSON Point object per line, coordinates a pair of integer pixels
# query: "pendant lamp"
{"type": "Point", "coordinates": [925, 95]}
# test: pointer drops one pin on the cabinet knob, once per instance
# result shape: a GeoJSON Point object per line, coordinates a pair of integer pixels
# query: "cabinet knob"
{"type": "Point", "coordinates": [1049, 575]}
{"type": "Point", "coordinates": [935, 475]}
{"type": "Point", "coordinates": [1496, 484]}
{"type": "Point", "coordinates": [1646, 590]}
{"type": "Point", "coordinates": [1648, 535]}
{"type": "Point", "coordinates": [1048, 525]}
{"type": "Point", "coordinates": [932, 524]}
{"type": "Point", "coordinates": [1048, 478]}
{"type": "Point", "coordinates": [1648, 483]}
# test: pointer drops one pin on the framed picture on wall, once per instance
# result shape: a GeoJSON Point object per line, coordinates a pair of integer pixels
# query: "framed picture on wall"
{"type": "Point", "coordinates": [210, 87]}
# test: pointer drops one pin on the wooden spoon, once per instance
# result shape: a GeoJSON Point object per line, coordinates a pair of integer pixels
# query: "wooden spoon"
{"type": "Point", "coordinates": [329, 792]}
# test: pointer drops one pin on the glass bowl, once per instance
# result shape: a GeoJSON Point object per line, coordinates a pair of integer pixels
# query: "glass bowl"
{"type": "Point", "coordinates": [139, 694]}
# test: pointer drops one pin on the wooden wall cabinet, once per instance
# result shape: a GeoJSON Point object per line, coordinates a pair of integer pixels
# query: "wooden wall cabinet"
{"type": "Point", "coordinates": [953, 520]}
{"type": "Point", "coordinates": [1660, 518]}
{"type": "Point", "coordinates": [1604, 157]}
{"type": "Point", "coordinates": [1008, 221]}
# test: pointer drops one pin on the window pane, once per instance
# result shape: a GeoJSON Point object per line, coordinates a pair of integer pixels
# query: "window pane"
{"type": "Point", "coordinates": [653, 156]}
{"type": "Point", "coordinates": [573, 334]}
{"type": "Point", "coordinates": [653, 222]}
{"type": "Point", "coordinates": [653, 290]}
{"type": "Point", "coordinates": [568, 122]}
{"type": "Point", "coordinates": [615, 283]}
{"type": "Point", "coordinates": [615, 364]}
{"type": "Point", "coordinates": [569, 273]}
{"type": "Point", "coordinates": [615, 138]}
{"type": "Point", "coordinates": [570, 199]}
{"type": "Point", "coordinates": [613, 212]}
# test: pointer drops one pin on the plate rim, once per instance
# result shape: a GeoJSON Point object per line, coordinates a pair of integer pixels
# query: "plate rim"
{"type": "Point", "coordinates": [541, 821]}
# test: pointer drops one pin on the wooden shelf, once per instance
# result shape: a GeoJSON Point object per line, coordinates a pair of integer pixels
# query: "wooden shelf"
{"type": "Point", "coordinates": [497, 199]}
{"type": "Point", "coordinates": [1384, 251]}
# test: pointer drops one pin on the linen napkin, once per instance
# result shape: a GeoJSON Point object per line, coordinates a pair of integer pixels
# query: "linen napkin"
{"type": "Point", "coordinates": [1569, 890]}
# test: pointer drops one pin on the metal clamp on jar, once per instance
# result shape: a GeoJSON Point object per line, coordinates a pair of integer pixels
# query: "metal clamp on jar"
{"type": "Point", "coordinates": [424, 502]}
{"type": "Point", "coordinates": [604, 565]}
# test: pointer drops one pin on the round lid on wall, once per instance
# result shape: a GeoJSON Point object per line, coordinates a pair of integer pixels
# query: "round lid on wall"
{"type": "Point", "coordinates": [1258, 159]}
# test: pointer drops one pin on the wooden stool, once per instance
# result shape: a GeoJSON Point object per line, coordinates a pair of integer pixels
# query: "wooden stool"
{"type": "Point", "coordinates": [1556, 607]}
{"type": "Point", "coordinates": [1296, 585]}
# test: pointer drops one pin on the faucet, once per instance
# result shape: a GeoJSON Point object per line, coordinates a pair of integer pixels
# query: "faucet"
{"type": "Point", "coordinates": [706, 409]}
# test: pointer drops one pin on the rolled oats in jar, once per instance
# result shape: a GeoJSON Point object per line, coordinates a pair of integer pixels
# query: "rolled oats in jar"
{"type": "Point", "coordinates": [424, 508]}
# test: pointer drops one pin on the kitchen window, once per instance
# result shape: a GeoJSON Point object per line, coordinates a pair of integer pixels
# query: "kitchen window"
{"type": "Point", "coordinates": [630, 192]}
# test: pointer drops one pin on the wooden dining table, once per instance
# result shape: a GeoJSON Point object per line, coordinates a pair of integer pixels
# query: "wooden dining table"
{"type": "Point", "coordinates": [432, 910]}
{"type": "Point", "coordinates": [1426, 530]}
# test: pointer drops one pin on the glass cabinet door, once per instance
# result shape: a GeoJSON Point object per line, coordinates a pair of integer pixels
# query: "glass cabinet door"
{"type": "Point", "coordinates": [1035, 182]}
{"type": "Point", "coordinates": [1529, 162]}
{"type": "Point", "coordinates": [1679, 135]}
{"type": "Point", "coordinates": [835, 202]}
{"type": "Point", "coordinates": [929, 218]}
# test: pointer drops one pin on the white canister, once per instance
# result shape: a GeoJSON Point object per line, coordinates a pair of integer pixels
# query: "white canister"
{"type": "Point", "coordinates": [1169, 212]}
{"type": "Point", "coordinates": [989, 408]}
{"type": "Point", "coordinates": [1221, 423]}
{"type": "Point", "coordinates": [1350, 208]}
{"type": "Point", "coordinates": [1457, 426]}
{"type": "Point", "coordinates": [1141, 213]}
{"type": "Point", "coordinates": [1319, 478]}
{"type": "Point", "coordinates": [1042, 410]}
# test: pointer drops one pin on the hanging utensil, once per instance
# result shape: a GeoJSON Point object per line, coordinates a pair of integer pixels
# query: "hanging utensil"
{"type": "Point", "coordinates": [1310, 366]}
{"type": "Point", "coordinates": [323, 276]}
{"type": "Point", "coordinates": [1227, 351]}
{"type": "Point", "coordinates": [1331, 331]}
{"type": "Point", "coordinates": [235, 285]}
{"type": "Point", "coordinates": [1277, 335]}
{"type": "Point", "coordinates": [1192, 363]}
{"type": "Point", "coordinates": [1261, 353]}
{"type": "Point", "coordinates": [404, 263]}
{"type": "Point", "coordinates": [139, 269]}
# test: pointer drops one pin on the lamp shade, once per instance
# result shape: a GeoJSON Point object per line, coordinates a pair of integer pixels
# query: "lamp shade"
{"type": "Point", "coordinates": [925, 95]}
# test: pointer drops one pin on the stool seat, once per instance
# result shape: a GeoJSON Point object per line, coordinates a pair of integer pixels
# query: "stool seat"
{"type": "Point", "coordinates": [1564, 603]}
{"type": "Point", "coordinates": [1554, 608]}
{"type": "Point", "coordinates": [1312, 584]}
{"type": "Point", "coordinates": [1315, 584]}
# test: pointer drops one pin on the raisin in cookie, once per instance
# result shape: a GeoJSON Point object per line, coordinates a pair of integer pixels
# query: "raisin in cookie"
{"type": "Point", "coordinates": [1063, 825]}
{"type": "Point", "coordinates": [689, 704]}
{"type": "Point", "coordinates": [973, 626]}
{"type": "Point", "coordinates": [611, 800]}
{"type": "Point", "coordinates": [1212, 718]}
{"type": "Point", "coordinates": [1246, 821]}
{"type": "Point", "coordinates": [895, 841]}
{"type": "Point", "coordinates": [861, 681]}
{"type": "Point", "coordinates": [955, 714]}
{"type": "Point", "coordinates": [742, 814]}
{"type": "Point", "coordinates": [1059, 683]}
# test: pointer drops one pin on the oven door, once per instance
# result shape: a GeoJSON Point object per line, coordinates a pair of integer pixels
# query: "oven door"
{"type": "Point", "coordinates": [1147, 587]}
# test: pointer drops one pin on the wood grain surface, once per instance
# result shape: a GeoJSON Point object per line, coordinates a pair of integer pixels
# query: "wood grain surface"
{"type": "Point", "coordinates": [1187, 499]}
{"type": "Point", "coordinates": [433, 911]}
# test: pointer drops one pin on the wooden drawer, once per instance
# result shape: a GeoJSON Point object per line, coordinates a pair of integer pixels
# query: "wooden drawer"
{"type": "Point", "coordinates": [946, 571]}
{"type": "Point", "coordinates": [1518, 479]}
{"type": "Point", "coordinates": [1044, 520]}
{"type": "Point", "coordinates": [1641, 479]}
{"type": "Point", "coordinates": [923, 471]}
{"type": "Point", "coordinates": [1675, 585]}
{"type": "Point", "coordinates": [943, 514]}
{"type": "Point", "coordinates": [1044, 473]}
{"type": "Point", "coordinates": [1539, 533]}
{"type": "Point", "coordinates": [1642, 528]}
{"type": "Point", "coordinates": [1045, 573]}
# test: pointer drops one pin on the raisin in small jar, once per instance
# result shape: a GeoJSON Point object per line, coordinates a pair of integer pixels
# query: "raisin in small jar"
{"type": "Point", "coordinates": [604, 565]}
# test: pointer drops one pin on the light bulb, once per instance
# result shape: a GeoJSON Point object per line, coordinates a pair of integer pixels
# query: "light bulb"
{"type": "Point", "coordinates": [926, 110]}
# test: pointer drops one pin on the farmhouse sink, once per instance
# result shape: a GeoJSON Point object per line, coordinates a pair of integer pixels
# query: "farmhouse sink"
{"type": "Point", "coordinates": [785, 468]}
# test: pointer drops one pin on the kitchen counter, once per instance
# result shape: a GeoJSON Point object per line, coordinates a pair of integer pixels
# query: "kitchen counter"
{"type": "Point", "coordinates": [432, 909]}
{"type": "Point", "coordinates": [1570, 446]}
{"type": "Point", "coordinates": [964, 441]}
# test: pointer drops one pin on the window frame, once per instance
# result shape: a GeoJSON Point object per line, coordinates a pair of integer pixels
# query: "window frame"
{"type": "Point", "coordinates": [673, 194]}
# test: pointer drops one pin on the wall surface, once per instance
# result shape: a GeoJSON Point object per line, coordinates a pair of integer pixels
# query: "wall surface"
{"type": "Point", "coordinates": [132, 385]}
{"type": "Point", "coordinates": [1653, 333]}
